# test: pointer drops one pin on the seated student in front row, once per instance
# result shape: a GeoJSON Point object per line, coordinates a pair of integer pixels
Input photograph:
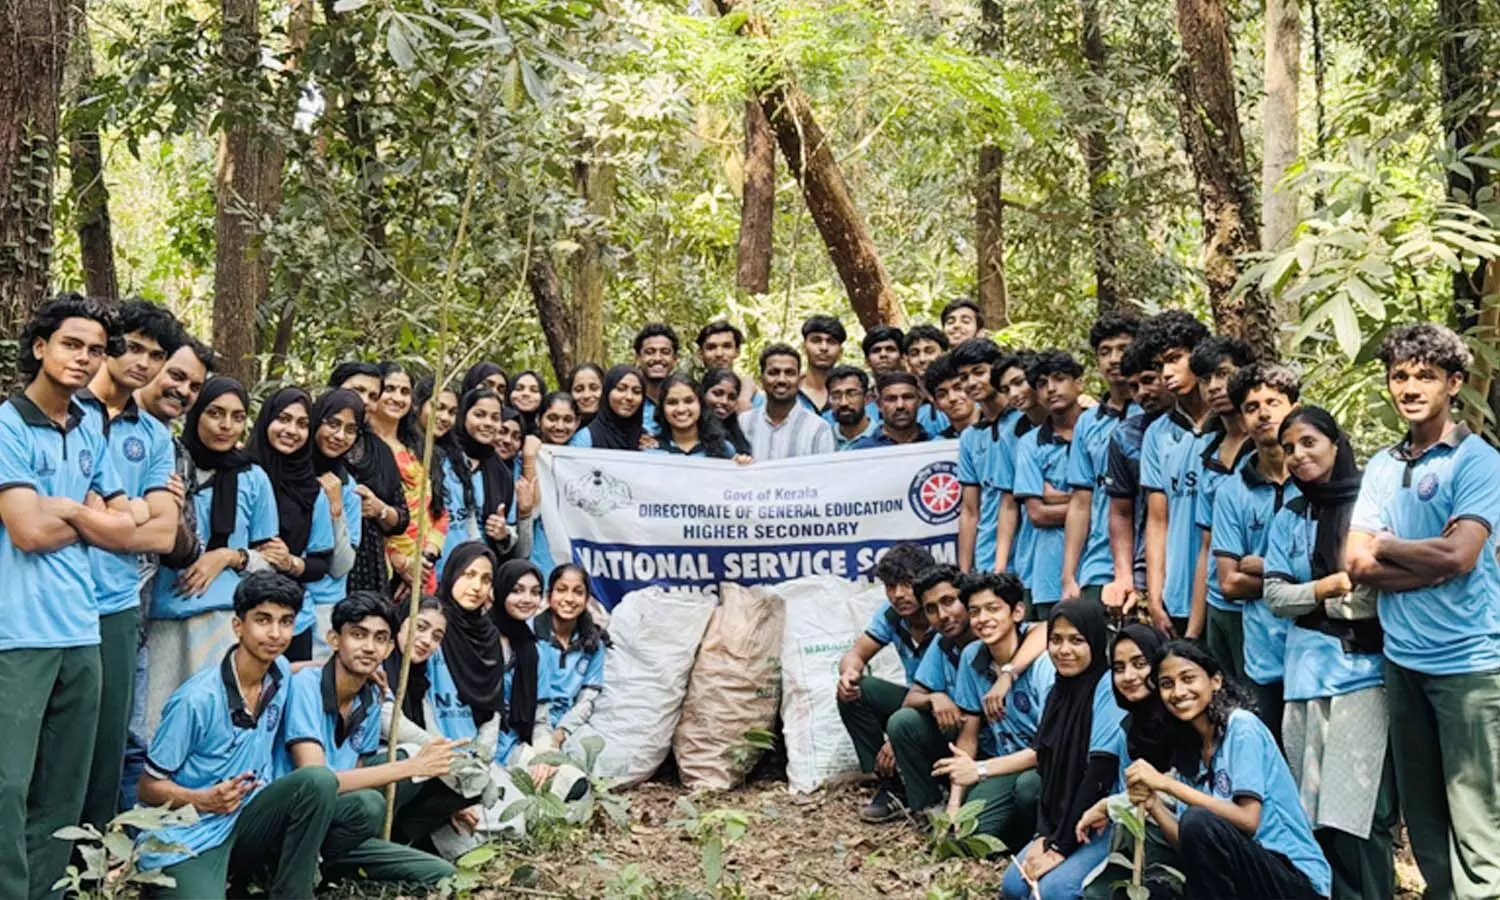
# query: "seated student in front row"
{"type": "Point", "coordinates": [333, 719]}
{"type": "Point", "coordinates": [214, 749]}
{"type": "Point", "coordinates": [1240, 831]}
{"type": "Point", "coordinates": [569, 686]}
{"type": "Point", "coordinates": [1002, 699]}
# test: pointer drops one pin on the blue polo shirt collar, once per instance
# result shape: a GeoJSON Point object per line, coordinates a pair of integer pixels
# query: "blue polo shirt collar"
{"type": "Point", "coordinates": [1210, 456]}
{"type": "Point", "coordinates": [364, 701]}
{"type": "Point", "coordinates": [131, 412]}
{"type": "Point", "coordinates": [1455, 436]}
{"type": "Point", "coordinates": [32, 414]}
{"type": "Point", "coordinates": [238, 714]}
{"type": "Point", "coordinates": [899, 625]}
{"type": "Point", "coordinates": [1049, 435]}
{"type": "Point", "coordinates": [1105, 410]}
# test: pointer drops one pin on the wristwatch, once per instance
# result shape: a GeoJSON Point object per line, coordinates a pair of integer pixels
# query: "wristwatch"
{"type": "Point", "coordinates": [1008, 669]}
{"type": "Point", "coordinates": [982, 769]}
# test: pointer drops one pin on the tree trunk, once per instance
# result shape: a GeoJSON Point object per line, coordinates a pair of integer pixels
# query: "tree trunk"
{"type": "Point", "coordinates": [1096, 157]}
{"type": "Point", "coordinates": [596, 183]}
{"type": "Point", "coordinates": [552, 312]}
{"type": "Point", "coordinates": [989, 203]}
{"type": "Point", "coordinates": [1211, 130]}
{"type": "Point", "coordinates": [757, 203]}
{"type": "Point", "coordinates": [363, 139]}
{"type": "Point", "coordinates": [86, 169]}
{"type": "Point", "coordinates": [1463, 114]}
{"type": "Point", "coordinates": [1279, 212]}
{"type": "Point", "coordinates": [33, 51]}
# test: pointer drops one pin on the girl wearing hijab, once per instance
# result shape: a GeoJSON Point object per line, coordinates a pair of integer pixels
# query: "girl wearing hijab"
{"type": "Point", "coordinates": [509, 440]}
{"type": "Point", "coordinates": [556, 424]}
{"type": "Point", "coordinates": [485, 374]}
{"type": "Point", "coordinates": [586, 384]}
{"type": "Point", "coordinates": [337, 417]}
{"type": "Point", "coordinates": [1238, 826]}
{"type": "Point", "coordinates": [304, 541]}
{"type": "Point", "coordinates": [382, 505]}
{"type": "Point", "coordinates": [235, 505]}
{"type": "Point", "coordinates": [525, 396]}
{"type": "Point", "coordinates": [721, 397]}
{"type": "Point", "coordinates": [682, 425]}
{"type": "Point", "coordinates": [1080, 751]}
{"type": "Point", "coordinates": [617, 426]}
{"type": "Point", "coordinates": [478, 488]}
{"type": "Point", "coordinates": [1335, 721]}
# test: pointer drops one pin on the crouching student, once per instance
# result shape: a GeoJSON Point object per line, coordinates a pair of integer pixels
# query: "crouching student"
{"type": "Point", "coordinates": [1002, 702]}
{"type": "Point", "coordinates": [570, 646]}
{"type": "Point", "coordinates": [333, 719]}
{"type": "Point", "coordinates": [867, 702]}
{"type": "Point", "coordinates": [214, 750]}
{"type": "Point", "coordinates": [1240, 831]}
{"type": "Point", "coordinates": [1080, 753]}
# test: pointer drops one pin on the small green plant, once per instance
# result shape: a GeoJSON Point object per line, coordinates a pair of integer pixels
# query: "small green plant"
{"type": "Point", "coordinates": [754, 742]}
{"type": "Point", "coordinates": [957, 835]}
{"type": "Point", "coordinates": [601, 799]}
{"type": "Point", "coordinates": [630, 883]}
{"type": "Point", "coordinates": [111, 861]}
{"type": "Point", "coordinates": [1133, 819]}
{"type": "Point", "coordinates": [713, 831]}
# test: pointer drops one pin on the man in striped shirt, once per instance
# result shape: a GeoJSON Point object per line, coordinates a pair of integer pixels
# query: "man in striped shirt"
{"type": "Point", "coordinates": [784, 428]}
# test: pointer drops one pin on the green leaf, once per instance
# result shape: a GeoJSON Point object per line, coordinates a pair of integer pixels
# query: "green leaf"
{"type": "Point", "coordinates": [119, 845]}
{"type": "Point", "coordinates": [77, 833]}
{"type": "Point", "coordinates": [477, 857]}
{"type": "Point", "coordinates": [1345, 325]}
{"type": "Point", "coordinates": [399, 46]}
{"type": "Point", "coordinates": [155, 818]}
{"type": "Point", "coordinates": [1137, 892]}
{"type": "Point", "coordinates": [343, 6]}
{"type": "Point", "coordinates": [153, 877]}
{"type": "Point", "coordinates": [713, 860]}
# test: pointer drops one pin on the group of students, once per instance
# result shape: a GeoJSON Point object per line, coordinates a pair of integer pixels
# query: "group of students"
{"type": "Point", "coordinates": [165, 588]}
{"type": "Point", "coordinates": [1303, 654]}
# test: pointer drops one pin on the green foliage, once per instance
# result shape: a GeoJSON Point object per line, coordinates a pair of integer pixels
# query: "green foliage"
{"type": "Point", "coordinates": [959, 837]}
{"type": "Point", "coordinates": [111, 859]}
{"type": "Point", "coordinates": [713, 831]}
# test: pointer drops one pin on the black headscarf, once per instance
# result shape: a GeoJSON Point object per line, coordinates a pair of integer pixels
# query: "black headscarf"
{"type": "Point", "coordinates": [413, 707]}
{"type": "Point", "coordinates": [226, 466]}
{"type": "Point", "coordinates": [609, 430]}
{"type": "Point", "coordinates": [478, 373]}
{"type": "Point", "coordinates": [471, 646]}
{"type": "Point", "coordinates": [529, 420]}
{"type": "Point", "coordinates": [1062, 738]}
{"type": "Point", "coordinates": [331, 404]}
{"type": "Point", "coordinates": [584, 418]}
{"type": "Point", "coordinates": [520, 713]}
{"type": "Point", "coordinates": [292, 477]}
{"type": "Point", "coordinates": [731, 424]}
{"type": "Point", "coordinates": [1148, 732]}
{"type": "Point", "coordinates": [499, 486]}
{"type": "Point", "coordinates": [1331, 502]}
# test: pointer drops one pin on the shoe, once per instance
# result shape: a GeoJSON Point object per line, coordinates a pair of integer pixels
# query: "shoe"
{"type": "Point", "coordinates": [883, 807]}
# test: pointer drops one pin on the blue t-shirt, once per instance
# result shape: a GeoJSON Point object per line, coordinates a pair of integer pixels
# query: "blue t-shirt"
{"type": "Point", "coordinates": [254, 523]}
{"type": "Point", "coordinates": [1316, 663]}
{"type": "Point", "coordinates": [937, 673]}
{"type": "Point", "coordinates": [1012, 427]}
{"type": "Point", "coordinates": [886, 627]}
{"type": "Point", "coordinates": [1122, 480]}
{"type": "Point", "coordinates": [1243, 509]}
{"type": "Point", "coordinates": [319, 540]}
{"type": "Point", "coordinates": [648, 417]}
{"type": "Point", "coordinates": [562, 673]}
{"type": "Point", "coordinates": [976, 446]}
{"type": "Point", "coordinates": [1107, 729]}
{"type": "Point", "coordinates": [1212, 474]}
{"type": "Point", "coordinates": [197, 745]}
{"type": "Point", "coordinates": [463, 520]}
{"type": "Point", "coordinates": [1088, 468]}
{"type": "Point", "coordinates": [1024, 702]}
{"type": "Point", "coordinates": [312, 714]}
{"type": "Point", "coordinates": [1169, 465]}
{"type": "Point", "coordinates": [454, 720]}
{"type": "Point", "coordinates": [1042, 461]}
{"type": "Point", "coordinates": [141, 453]}
{"type": "Point", "coordinates": [1454, 627]}
{"type": "Point", "coordinates": [1247, 763]}
{"type": "Point", "coordinates": [881, 439]}
{"type": "Point", "coordinates": [840, 442]}
{"type": "Point", "coordinates": [328, 590]}
{"type": "Point", "coordinates": [49, 598]}
{"type": "Point", "coordinates": [932, 420]}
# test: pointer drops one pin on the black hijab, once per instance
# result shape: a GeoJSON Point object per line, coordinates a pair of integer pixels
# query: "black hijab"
{"type": "Point", "coordinates": [731, 425]}
{"type": "Point", "coordinates": [413, 705]}
{"type": "Point", "coordinates": [609, 430]}
{"type": "Point", "coordinates": [1332, 502]}
{"type": "Point", "coordinates": [1148, 732]}
{"type": "Point", "coordinates": [471, 646]}
{"type": "Point", "coordinates": [226, 466]}
{"type": "Point", "coordinates": [499, 486]}
{"type": "Point", "coordinates": [331, 404]}
{"type": "Point", "coordinates": [478, 373]}
{"type": "Point", "coordinates": [292, 476]}
{"type": "Point", "coordinates": [1062, 738]}
{"type": "Point", "coordinates": [520, 713]}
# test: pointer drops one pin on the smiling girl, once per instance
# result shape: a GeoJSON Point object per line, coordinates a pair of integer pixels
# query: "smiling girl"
{"type": "Point", "coordinates": [478, 488]}
{"type": "Point", "coordinates": [683, 427]}
{"type": "Point", "coordinates": [586, 384]}
{"type": "Point", "coordinates": [617, 426]}
{"type": "Point", "coordinates": [336, 419]}
{"type": "Point", "coordinates": [572, 652]}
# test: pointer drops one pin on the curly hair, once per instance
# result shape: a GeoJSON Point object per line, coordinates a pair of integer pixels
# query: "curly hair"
{"type": "Point", "coordinates": [1211, 352]}
{"type": "Point", "coordinates": [1271, 375]}
{"type": "Point", "coordinates": [901, 563]}
{"type": "Point", "coordinates": [924, 332]}
{"type": "Point", "coordinates": [51, 316]}
{"type": "Point", "coordinates": [1187, 746]}
{"type": "Point", "coordinates": [655, 329]}
{"type": "Point", "coordinates": [155, 322]}
{"type": "Point", "coordinates": [932, 576]}
{"type": "Point", "coordinates": [1425, 342]}
{"type": "Point", "coordinates": [1112, 324]}
{"type": "Point", "coordinates": [1004, 585]}
{"type": "Point", "coordinates": [941, 369]}
{"type": "Point", "coordinates": [1173, 328]}
{"type": "Point", "coordinates": [880, 334]}
{"type": "Point", "coordinates": [1052, 362]}
{"type": "Point", "coordinates": [976, 351]}
{"type": "Point", "coordinates": [1136, 359]}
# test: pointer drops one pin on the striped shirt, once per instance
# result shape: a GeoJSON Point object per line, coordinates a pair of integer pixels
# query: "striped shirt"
{"type": "Point", "coordinates": [801, 433]}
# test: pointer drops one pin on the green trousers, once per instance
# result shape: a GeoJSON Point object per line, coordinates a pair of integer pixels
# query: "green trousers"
{"type": "Point", "coordinates": [1270, 702]}
{"type": "Point", "coordinates": [1225, 637]}
{"type": "Point", "coordinates": [275, 839]}
{"type": "Point", "coordinates": [1010, 803]}
{"type": "Point", "coordinates": [865, 717]}
{"type": "Point", "coordinates": [353, 850]}
{"type": "Point", "coordinates": [47, 721]}
{"type": "Point", "coordinates": [119, 638]}
{"type": "Point", "coordinates": [918, 744]}
{"type": "Point", "coordinates": [1445, 737]}
{"type": "Point", "coordinates": [1365, 868]}
{"type": "Point", "coordinates": [423, 808]}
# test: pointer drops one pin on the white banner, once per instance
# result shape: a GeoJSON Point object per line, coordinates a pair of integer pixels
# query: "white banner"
{"type": "Point", "coordinates": [634, 520]}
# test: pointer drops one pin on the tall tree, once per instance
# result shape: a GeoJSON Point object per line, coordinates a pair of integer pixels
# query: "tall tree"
{"type": "Point", "coordinates": [86, 166]}
{"type": "Point", "coordinates": [757, 203]}
{"type": "Point", "coordinates": [1465, 110]}
{"type": "Point", "coordinates": [1283, 66]}
{"type": "Point", "coordinates": [1210, 122]}
{"type": "Point", "coordinates": [552, 313]}
{"type": "Point", "coordinates": [1096, 157]}
{"type": "Point", "coordinates": [33, 53]}
{"type": "Point", "coordinates": [595, 181]}
{"type": "Point", "coordinates": [989, 203]}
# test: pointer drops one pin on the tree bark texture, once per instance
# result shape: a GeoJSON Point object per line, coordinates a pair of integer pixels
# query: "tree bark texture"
{"type": "Point", "coordinates": [1463, 115]}
{"type": "Point", "coordinates": [86, 168]}
{"type": "Point", "coordinates": [989, 203]}
{"type": "Point", "coordinates": [361, 134]}
{"type": "Point", "coordinates": [585, 340]}
{"type": "Point", "coordinates": [552, 312]}
{"type": "Point", "coordinates": [33, 53]}
{"type": "Point", "coordinates": [1211, 130]}
{"type": "Point", "coordinates": [1096, 157]}
{"type": "Point", "coordinates": [1279, 211]}
{"type": "Point", "coordinates": [757, 203]}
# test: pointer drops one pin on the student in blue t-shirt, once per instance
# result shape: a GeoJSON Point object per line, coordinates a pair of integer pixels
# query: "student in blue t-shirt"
{"type": "Point", "coordinates": [866, 702]}
{"type": "Point", "coordinates": [849, 412]}
{"type": "Point", "coordinates": [336, 420]}
{"type": "Point", "coordinates": [656, 347]}
{"type": "Point", "coordinates": [141, 452]}
{"type": "Point", "coordinates": [823, 339]}
{"type": "Point", "coordinates": [215, 751]}
{"type": "Point", "coordinates": [333, 719]}
{"type": "Point", "coordinates": [900, 397]}
{"type": "Point", "coordinates": [946, 386]}
{"type": "Point", "coordinates": [1227, 445]}
{"type": "Point", "coordinates": [478, 487]}
{"type": "Point", "coordinates": [1086, 564]}
{"type": "Point", "coordinates": [1122, 479]}
{"type": "Point", "coordinates": [1335, 700]}
{"type": "Point", "coordinates": [979, 508]}
{"type": "Point", "coordinates": [525, 395]}
{"type": "Point", "coordinates": [54, 473]}
{"type": "Point", "coordinates": [1041, 480]}
{"type": "Point", "coordinates": [570, 644]}
{"type": "Point", "coordinates": [1002, 681]}
{"type": "Point", "coordinates": [303, 546]}
{"type": "Point", "coordinates": [556, 426]}
{"type": "Point", "coordinates": [686, 427]}
{"type": "Point", "coordinates": [922, 344]}
{"type": "Point", "coordinates": [1170, 451]}
{"type": "Point", "coordinates": [1423, 534]}
{"type": "Point", "coordinates": [1244, 507]}
{"type": "Point", "coordinates": [1239, 828]}
{"type": "Point", "coordinates": [1025, 411]}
